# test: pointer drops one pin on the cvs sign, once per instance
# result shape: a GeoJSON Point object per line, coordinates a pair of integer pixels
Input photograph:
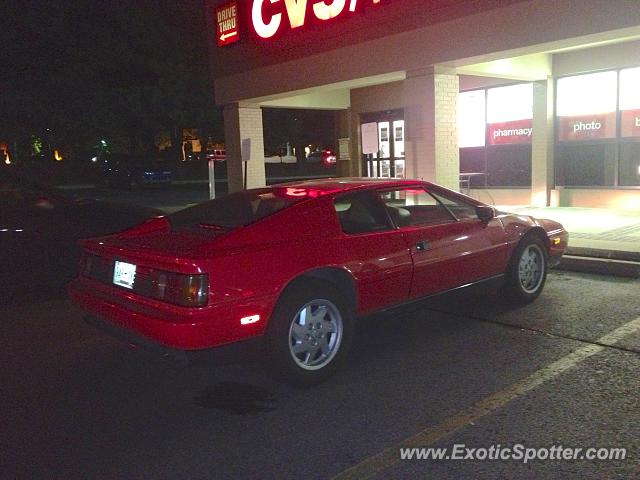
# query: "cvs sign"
{"type": "Point", "coordinates": [267, 15]}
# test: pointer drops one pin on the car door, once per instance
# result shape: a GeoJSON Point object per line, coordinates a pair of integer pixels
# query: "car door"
{"type": "Point", "coordinates": [447, 251]}
{"type": "Point", "coordinates": [373, 250]}
{"type": "Point", "coordinates": [487, 251]}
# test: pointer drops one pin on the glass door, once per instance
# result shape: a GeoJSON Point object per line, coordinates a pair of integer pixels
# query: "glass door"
{"type": "Point", "coordinates": [398, 148]}
{"type": "Point", "coordinates": [389, 160]}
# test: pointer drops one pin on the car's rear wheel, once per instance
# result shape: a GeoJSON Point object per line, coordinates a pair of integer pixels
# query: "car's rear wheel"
{"type": "Point", "coordinates": [310, 333]}
{"type": "Point", "coordinates": [527, 271]}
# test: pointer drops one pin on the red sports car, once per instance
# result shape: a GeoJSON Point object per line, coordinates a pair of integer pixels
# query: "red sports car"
{"type": "Point", "coordinates": [290, 266]}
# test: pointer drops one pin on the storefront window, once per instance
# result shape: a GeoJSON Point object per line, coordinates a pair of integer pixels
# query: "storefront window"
{"type": "Point", "coordinates": [598, 129]}
{"type": "Point", "coordinates": [581, 165]}
{"type": "Point", "coordinates": [495, 129]}
{"type": "Point", "coordinates": [629, 162]}
{"type": "Point", "coordinates": [629, 171]}
{"type": "Point", "coordinates": [471, 119]}
{"type": "Point", "coordinates": [509, 165]}
{"type": "Point", "coordinates": [586, 107]}
{"type": "Point", "coordinates": [474, 160]}
{"type": "Point", "coordinates": [630, 102]}
{"type": "Point", "coordinates": [510, 114]}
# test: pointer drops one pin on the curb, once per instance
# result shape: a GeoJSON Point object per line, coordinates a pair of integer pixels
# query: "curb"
{"type": "Point", "coordinates": [606, 254]}
{"type": "Point", "coordinates": [603, 266]}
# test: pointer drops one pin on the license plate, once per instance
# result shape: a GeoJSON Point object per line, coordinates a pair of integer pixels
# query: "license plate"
{"type": "Point", "coordinates": [124, 274]}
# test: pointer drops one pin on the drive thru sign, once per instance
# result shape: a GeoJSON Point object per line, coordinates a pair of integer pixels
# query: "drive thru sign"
{"type": "Point", "coordinates": [227, 28]}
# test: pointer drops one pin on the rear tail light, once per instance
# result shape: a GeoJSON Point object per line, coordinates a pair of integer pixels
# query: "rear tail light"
{"type": "Point", "coordinates": [185, 290]}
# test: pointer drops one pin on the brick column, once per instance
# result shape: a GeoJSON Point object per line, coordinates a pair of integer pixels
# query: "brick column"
{"type": "Point", "coordinates": [244, 141]}
{"type": "Point", "coordinates": [343, 130]}
{"type": "Point", "coordinates": [542, 144]}
{"type": "Point", "coordinates": [430, 112]}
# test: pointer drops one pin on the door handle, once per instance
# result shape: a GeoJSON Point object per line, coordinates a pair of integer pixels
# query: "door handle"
{"type": "Point", "coordinates": [423, 246]}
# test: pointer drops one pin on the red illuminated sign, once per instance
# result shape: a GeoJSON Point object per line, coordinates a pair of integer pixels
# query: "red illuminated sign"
{"type": "Point", "coordinates": [587, 127]}
{"type": "Point", "coordinates": [630, 123]}
{"type": "Point", "coordinates": [517, 131]}
{"type": "Point", "coordinates": [267, 15]}
{"type": "Point", "coordinates": [227, 27]}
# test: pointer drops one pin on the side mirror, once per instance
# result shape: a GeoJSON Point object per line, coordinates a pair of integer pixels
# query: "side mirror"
{"type": "Point", "coordinates": [485, 212]}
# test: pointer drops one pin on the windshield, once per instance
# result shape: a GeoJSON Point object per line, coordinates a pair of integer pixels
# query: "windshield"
{"type": "Point", "coordinates": [234, 210]}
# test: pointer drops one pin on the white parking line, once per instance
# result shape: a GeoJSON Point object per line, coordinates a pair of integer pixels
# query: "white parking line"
{"type": "Point", "coordinates": [390, 456]}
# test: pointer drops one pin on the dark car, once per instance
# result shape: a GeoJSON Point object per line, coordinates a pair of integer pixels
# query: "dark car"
{"type": "Point", "coordinates": [290, 266]}
{"type": "Point", "coordinates": [325, 156]}
{"type": "Point", "coordinates": [132, 171]}
{"type": "Point", "coordinates": [39, 230]}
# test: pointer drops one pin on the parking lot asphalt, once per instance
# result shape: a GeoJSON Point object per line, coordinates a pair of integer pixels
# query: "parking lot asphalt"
{"type": "Point", "coordinates": [165, 198]}
{"type": "Point", "coordinates": [462, 369]}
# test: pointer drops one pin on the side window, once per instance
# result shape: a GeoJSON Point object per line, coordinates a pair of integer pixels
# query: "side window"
{"type": "Point", "coordinates": [415, 207]}
{"type": "Point", "coordinates": [361, 213]}
{"type": "Point", "coordinates": [462, 210]}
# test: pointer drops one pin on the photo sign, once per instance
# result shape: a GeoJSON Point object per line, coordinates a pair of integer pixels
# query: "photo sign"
{"type": "Point", "coordinates": [587, 127]}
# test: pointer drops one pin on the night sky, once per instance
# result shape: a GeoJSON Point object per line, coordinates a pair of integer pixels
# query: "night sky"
{"type": "Point", "coordinates": [83, 64]}
{"type": "Point", "coordinates": [79, 71]}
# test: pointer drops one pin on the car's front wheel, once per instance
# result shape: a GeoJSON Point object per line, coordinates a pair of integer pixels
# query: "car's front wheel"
{"type": "Point", "coordinates": [527, 271]}
{"type": "Point", "coordinates": [310, 333]}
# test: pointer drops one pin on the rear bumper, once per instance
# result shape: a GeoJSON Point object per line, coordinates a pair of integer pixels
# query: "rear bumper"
{"type": "Point", "coordinates": [251, 349]}
{"type": "Point", "coordinates": [174, 327]}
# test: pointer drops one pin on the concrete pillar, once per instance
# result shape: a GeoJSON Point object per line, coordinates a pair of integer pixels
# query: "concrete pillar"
{"type": "Point", "coordinates": [542, 143]}
{"type": "Point", "coordinates": [244, 141]}
{"type": "Point", "coordinates": [355, 149]}
{"type": "Point", "coordinates": [430, 113]}
{"type": "Point", "coordinates": [343, 119]}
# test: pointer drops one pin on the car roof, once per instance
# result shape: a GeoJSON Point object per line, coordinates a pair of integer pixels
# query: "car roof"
{"type": "Point", "coordinates": [342, 184]}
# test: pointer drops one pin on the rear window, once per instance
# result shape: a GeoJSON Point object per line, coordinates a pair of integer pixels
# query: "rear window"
{"type": "Point", "coordinates": [234, 210]}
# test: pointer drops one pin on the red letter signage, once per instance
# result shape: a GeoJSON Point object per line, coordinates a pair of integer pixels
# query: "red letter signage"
{"type": "Point", "coordinates": [227, 28]}
{"type": "Point", "coordinates": [262, 28]}
{"type": "Point", "coordinates": [296, 9]}
{"type": "Point", "coordinates": [327, 12]}
{"type": "Point", "coordinates": [266, 24]}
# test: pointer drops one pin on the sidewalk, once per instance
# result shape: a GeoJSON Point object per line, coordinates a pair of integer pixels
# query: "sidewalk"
{"type": "Point", "coordinates": [597, 232]}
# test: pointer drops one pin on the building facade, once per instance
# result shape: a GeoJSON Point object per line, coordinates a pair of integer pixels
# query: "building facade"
{"type": "Point", "coordinates": [519, 101]}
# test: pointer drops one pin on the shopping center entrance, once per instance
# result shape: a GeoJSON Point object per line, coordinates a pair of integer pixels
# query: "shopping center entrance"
{"type": "Point", "coordinates": [388, 159]}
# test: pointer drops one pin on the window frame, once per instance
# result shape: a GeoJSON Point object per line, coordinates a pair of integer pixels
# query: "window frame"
{"type": "Point", "coordinates": [383, 190]}
{"type": "Point", "coordinates": [455, 199]}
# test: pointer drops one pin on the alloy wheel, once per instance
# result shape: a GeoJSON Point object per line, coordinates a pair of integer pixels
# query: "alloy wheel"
{"type": "Point", "coordinates": [315, 334]}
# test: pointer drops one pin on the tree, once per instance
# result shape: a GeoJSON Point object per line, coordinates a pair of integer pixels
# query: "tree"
{"type": "Point", "coordinates": [89, 70]}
